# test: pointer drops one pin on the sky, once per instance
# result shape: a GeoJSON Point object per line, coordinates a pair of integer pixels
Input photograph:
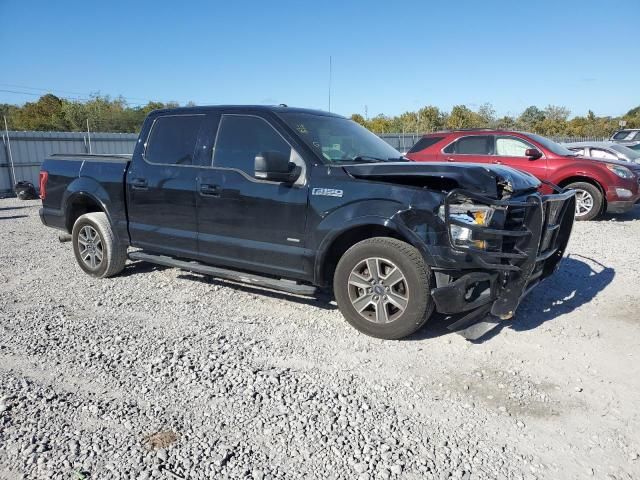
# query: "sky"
{"type": "Point", "coordinates": [387, 57]}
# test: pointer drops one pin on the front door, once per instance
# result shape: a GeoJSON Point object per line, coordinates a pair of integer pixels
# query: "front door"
{"type": "Point", "coordinates": [161, 187]}
{"type": "Point", "coordinates": [245, 222]}
{"type": "Point", "coordinates": [510, 151]}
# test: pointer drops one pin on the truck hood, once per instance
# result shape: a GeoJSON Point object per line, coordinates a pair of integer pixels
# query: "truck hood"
{"type": "Point", "coordinates": [494, 181]}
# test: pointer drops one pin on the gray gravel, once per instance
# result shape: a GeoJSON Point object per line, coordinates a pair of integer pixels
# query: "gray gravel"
{"type": "Point", "coordinates": [161, 373]}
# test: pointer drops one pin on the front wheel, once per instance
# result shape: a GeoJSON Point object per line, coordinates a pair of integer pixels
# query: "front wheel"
{"type": "Point", "coordinates": [589, 200]}
{"type": "Point", "coordinates": [381, 286]}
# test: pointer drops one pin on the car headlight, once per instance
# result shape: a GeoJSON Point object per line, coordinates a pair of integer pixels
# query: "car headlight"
{"type": "Point", "coordinates": [471, 214]}
{"type": "Point", "coordinates": [620, 171]}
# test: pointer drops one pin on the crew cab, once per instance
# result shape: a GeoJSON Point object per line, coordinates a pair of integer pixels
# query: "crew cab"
{"type": "Point", "coordinates": [301, 200]}
{"type": "Point", "coordinates": [600, 185]}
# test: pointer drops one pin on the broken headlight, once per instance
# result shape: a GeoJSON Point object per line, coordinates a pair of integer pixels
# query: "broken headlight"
{"type": "Point", "coordinates": [472, 214]}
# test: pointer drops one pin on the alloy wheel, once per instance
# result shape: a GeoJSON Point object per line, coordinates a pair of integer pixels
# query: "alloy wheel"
{"type": "Point", "coordinates": [378, 290]}
{"type": "Point", "coordinates": [90, 247]}
{"type": "Point", "coordinates": [584, 203]}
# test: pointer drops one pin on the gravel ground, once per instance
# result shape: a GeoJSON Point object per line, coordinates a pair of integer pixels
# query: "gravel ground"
{"type": "Point", "coordinates": [161, 373]}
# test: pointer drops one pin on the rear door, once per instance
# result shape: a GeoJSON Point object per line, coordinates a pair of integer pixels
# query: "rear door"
{"type": "Point", "coordinates": [510, 151]}
{"type": "Point", "coordinates": [469, 148]}
{"type": "Point", "coordinates": [245, 222]}
{"type": "Point", "coordinates": [161, 181]}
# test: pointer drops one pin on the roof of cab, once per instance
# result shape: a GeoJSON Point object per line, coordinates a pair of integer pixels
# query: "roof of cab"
{"type": "Point", "coordinates": [245, 108]}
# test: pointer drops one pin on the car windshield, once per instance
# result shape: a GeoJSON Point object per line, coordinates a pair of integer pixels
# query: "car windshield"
{"type": "Point", "coordinates": [632, 155]}
{"type": "Point", "coordinates": [553, 146]}
{"type": "Point", "coordinates": [339, 140]}
{"type": "Point", "coordinates": [624, 135]}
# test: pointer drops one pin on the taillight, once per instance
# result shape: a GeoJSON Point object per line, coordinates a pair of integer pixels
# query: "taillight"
{"type": "Point", "coordinates": [44, 177]}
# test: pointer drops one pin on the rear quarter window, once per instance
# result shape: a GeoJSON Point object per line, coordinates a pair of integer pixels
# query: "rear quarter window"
{"type": "Point", "coordinates": [423, 143]}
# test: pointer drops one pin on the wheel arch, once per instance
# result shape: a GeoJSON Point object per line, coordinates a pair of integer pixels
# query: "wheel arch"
{"type": "Point", "coordinates": [336, 245]}
{"type": "Point", "coordinates": [80, 203]}
{"type": "Point", "coordinates": [581, 178]}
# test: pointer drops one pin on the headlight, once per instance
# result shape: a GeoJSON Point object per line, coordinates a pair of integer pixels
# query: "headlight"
{"type": "Point", "coordinates": [473, 215]}
{"type": "Point", "coordinates": [619, 170]}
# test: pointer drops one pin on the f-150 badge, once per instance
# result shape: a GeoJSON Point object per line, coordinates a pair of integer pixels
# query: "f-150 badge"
{"type": "Point", "coordinates": [327, 192]}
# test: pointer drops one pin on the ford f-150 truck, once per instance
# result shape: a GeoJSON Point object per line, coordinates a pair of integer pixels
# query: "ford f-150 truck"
{"type": "Point", "coordinates": [300, 200]}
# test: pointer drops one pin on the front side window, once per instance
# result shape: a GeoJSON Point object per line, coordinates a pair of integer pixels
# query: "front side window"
{"type": "Point", "coordinates": [172, 140]}
{"type": "Point", "coordinates": [511, 147]}
{"type": "Point", "coordinates": [471, 145]}
{"type": "Point", "coordinates": [241, 138]}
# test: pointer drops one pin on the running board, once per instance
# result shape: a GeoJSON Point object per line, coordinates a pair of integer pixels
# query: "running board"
{"type": "Point", "coordinates": [283, 285]}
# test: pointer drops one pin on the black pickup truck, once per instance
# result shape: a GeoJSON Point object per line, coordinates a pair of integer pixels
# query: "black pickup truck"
{"type": "Point", "coordinates": [300, 200]}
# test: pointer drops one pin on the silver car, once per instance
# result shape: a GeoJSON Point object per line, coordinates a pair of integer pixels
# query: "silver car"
{"type": "Point", "coordinates": [629, 137]}
{"type": "Point", "coordinates": [605, 151]}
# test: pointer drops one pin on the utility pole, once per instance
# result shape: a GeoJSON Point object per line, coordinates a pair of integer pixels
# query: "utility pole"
{"type": "Point", "coordinates": [366, 112]}
{"type": "Point", "coordinates": [89, 135]}
{"type": "Point", "coordinates": [329, 82]}
{"type": "Point", "coordinates": [13, 171]}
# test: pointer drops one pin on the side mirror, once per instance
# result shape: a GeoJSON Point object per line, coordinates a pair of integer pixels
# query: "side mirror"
{"type": "Point", "coordinates": [532, 153]}
{"type": "Point", "coordinates": [276, 167]}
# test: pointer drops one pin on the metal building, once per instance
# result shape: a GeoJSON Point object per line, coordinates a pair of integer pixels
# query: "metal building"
{"type": "Point", "coordinates": [27, 150]}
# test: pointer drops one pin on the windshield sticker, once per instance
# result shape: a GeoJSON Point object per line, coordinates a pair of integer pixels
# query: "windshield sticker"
{"type": "Point", "coordinates": [302, 129]}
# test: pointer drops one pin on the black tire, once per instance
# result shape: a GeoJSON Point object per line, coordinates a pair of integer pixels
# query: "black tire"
{"type": "Point", "coordinates": [596, 195]}
{"type": "Point", "coordinates": [104, 244]}
{"type": "Point", "coordinates": [387, 253]}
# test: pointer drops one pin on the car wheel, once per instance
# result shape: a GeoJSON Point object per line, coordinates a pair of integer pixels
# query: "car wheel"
{"type": "Point", "coordinates": [381, 286]}
{"type": "Point", "coordinates": [95, 246]}
{"type": "Point", "coordinates": [589, 200]}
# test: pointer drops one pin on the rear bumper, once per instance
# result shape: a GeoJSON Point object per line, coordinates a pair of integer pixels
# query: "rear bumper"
{"type": "Point", "coordinates": [52, 218]}
{"type": "Point", "coordinates": [529, 254]}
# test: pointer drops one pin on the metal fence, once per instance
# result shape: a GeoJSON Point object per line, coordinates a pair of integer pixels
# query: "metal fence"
{"type": "Point", "coordinates": [27, 150]}
{"type": "Point", "coordinates": [404, 141]}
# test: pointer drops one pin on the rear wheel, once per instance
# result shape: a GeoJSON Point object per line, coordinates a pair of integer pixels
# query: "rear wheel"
{"type": "Point", "coordinates": [382, 288]}
{"type": "Point", "coordinates": [95, 246]}
{"type": "Point", "coordinates": [589, 201]}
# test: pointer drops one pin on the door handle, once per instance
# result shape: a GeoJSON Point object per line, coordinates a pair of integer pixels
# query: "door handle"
{"type": "Point", "coordinates": [209, 190]}
{"type": "Point", "coordinates": [449, 159]}
{"type": "Point", "coordinates": [139, 184]}
{"type": "Point", "coordinates": [498, 162]}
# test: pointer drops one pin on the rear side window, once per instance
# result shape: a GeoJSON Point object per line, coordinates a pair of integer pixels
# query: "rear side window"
{"type": "Point", "coordinates": [472, 145]}
{"type": "Point", "coordinates": [424, 142]}
{"type": "Point", "coordinates": [241, 138]}
{"type": "Point", "coordinates": [172, 140]}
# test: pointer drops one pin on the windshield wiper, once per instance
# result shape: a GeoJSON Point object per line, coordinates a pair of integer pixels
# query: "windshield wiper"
{"type": "Point", "coordinates": [368, 159]}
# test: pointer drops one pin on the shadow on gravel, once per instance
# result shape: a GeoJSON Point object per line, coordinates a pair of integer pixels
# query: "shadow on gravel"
{"type": "Point", "coordinates": [576, 283]}
{"type": "Point", "coordinates": [140, 267]}
{"type": "Point", "coordinates": [2, 209]}
{"type": "Point", "coordinates": [13, 217]}
{"type": "Point", "coordinates": [631, 215]}
{"type": "Point", "coordinates": [322, 300]}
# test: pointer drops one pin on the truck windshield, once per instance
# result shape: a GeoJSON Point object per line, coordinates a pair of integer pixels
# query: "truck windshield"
{"type": "Point", "coordinates": [339, 140]}
{"type": "Point", "coordinates": [553, 146]}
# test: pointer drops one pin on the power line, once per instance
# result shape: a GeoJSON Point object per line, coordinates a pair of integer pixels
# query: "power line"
{"type": "Point", "coordinates": [84, 94]}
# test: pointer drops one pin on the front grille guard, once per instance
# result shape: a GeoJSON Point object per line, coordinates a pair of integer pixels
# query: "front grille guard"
{"type": "Point", "coordinates": [544, 232]}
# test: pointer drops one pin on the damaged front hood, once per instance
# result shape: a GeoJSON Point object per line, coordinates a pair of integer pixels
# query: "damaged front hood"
{"type": "Point", "coordinates": [492, 180]}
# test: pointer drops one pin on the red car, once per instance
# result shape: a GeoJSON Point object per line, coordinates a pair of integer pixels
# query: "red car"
{"type": "Point", "coordinates": [610, 186]}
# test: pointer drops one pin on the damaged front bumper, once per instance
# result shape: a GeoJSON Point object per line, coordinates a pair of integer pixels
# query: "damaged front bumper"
{"type": "Point", "coordinates": [527, 247]}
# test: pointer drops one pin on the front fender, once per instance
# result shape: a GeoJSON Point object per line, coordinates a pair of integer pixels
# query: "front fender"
{"type": "Point", "coordinates": [377, 213]}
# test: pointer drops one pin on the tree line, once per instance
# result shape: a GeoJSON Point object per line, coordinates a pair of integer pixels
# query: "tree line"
{"type": "Point", "coordinates": [550, 121]}
{"type": "Point", "coordinates": [106, 114]}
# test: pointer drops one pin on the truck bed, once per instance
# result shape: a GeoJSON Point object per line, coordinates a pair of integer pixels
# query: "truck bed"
{"type": "Point", "coordinates": [100, 177]}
